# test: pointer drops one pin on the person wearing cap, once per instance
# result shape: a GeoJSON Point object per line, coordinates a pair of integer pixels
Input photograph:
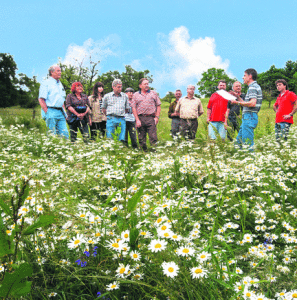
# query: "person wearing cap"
{"type": "Point", "coordinates": [285, 107]}
{"type": "Point", "coordinates": [130, 121]}
{"type": "Point", "coordinates": [146, 108]}
{"type": "Point", "coordinates": [51, 99]}
{"type": "Point", "coordinates": [114, 106]}
{"type": "Point", "coordinates": [175, 117]}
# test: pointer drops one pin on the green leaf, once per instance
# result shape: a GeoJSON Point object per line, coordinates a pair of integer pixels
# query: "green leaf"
{"type": "Point", "coordinates": [13, 282]}
{"type": "Point", "coordinates": [132, 202]}
{"type": "Point", "coordinates": [5, 208]}
{"type": "Point", "coordinates": [4, 243]}
{"type": "Point", "coordinates": [43, 221]}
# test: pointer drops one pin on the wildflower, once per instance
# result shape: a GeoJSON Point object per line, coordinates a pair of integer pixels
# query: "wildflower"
{"type": "Point", "coordinates": [135, 255]}
{"type": "Point", "coordinates": [76, 241]}
{"type": "Point", "coordinates": [170, 269]}
{"type": "Point", "coordinates": [157, 245]}
{"type": "Point", "coordinates": [122, 270]}
{"type": "Point", "coordinates": [138, 276]}
{"type": "Point", "coordinates": [203, 256]}
{"type": "Point", "coordinates": [125, 235]}
{"type": "Point", "coordinates": [113, 286]}
{"type": "Point", "coordinates": [198, 272]}
{"type": "Point", "coordinates": [81, 263]}
{"type": "Point", "coordinates": [185, 251]}
{"type": "Point", "coordinates": [116, 245]}
{"type": "Point", "coordinates": [52, 294]}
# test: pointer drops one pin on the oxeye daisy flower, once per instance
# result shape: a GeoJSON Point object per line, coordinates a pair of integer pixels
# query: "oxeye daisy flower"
{"type": "Point", "coordinates": [116, 245]}
{"type": "Point", "coordinates": [185, 251]}
{"type": "Point", "coordinates": [52, 294]}
{"type": "Point", "coordinates": [125, 235]}
{"type": "Point", "coordinates": [170, 269]}
{"type": "Point", "coordinates": [76, 241]}
{"type": "Point", "coordinates": [198, 272]}
{"type": "Point", "coordinates": [113, 286]}
{"type": "Point", "coordinates": [157, 245]}
{"type": "Point", "coordinates": [135, 255]}
{"type": "Point", "coordinates": [122, 271]}
{"type": "Point", "coordinates": [203, 256]}
{"type": "Point", "coordinates": [137, 276]}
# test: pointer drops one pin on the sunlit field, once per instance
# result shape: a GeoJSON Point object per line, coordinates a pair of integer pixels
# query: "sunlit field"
{"type": "Point", "coordinates": [189, 221]}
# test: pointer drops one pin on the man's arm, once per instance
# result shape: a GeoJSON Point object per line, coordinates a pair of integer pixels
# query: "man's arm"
{"type": "Point", "coordinates": [208, 115]}
{"type": "Point", "coordinates": [157, 114]}
{"type": "Point", "coordinates": [251, 103]}
{"type": "Point", "coordinates": [43, 104]}
{"type": "Point", "coordinates": [226, 117]}
{"type": "Point", "coordinates": [200, 109]}
{"type": "Point", "coordinates": [286, 117]}
{"type": "Point", "coordinates": [138, 123]}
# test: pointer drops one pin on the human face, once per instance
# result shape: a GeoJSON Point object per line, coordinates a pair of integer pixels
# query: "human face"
{"type": "Point", "coordinates": [130, 95]}
{"type": "Point", "coordinates": [57, 73]}
{"type": "Point", "coordinates": [178, 94]}
{"type": "Point", "coordinates": [79, 89]}
{"type": "Point", "coordinates": [144, 86]}
{"type": "Point", "coordinates": [222, 86]}
{"type": "Point", "coordinates": [247, 79]}
{"type": "Point", "coordinates": [117, 89]}
{"type": "Point", "coordinates": [100, 89]}
{"type": "Point", "coordinates": [190, 91]}
{"type": "Point", "coordinates": [280, 87]}
{"type": "Point", "coordinates": [237, 87]}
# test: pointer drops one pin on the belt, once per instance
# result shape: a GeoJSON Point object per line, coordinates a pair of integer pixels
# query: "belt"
{"type": "Point", "coordinates": [58, 108]}
{"type": "Point", "coordinates": [114, 116]}
{"type": "Point", "coordinates": [145, 115]}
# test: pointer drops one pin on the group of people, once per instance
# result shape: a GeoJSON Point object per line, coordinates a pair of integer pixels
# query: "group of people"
{"type": "Point", "coordinates": [140, 111]}
{"type": "Point", "coordinates": [224, 110]}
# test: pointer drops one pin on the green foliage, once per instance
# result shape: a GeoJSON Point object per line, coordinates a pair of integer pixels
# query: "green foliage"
{"type": "Point", "coordinates": [31, 92]}
{"type": "Point", "coordinates": [209, 81]}
{"type": "Point", "coordinates": [170, 96]}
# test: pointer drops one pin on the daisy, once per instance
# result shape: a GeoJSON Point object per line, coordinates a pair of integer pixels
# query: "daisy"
{"type": "Point", "coordinates": [185, 251]}
{"type": "Point", "coordinates": [170, 269]}
{"type": "Point", "coordinates": [122, 270]}
{"type": "Point", "coordinates": [125, 235]}
{"type": "Point", "coordinates": [157, 245]}
{"type": "Point", "coordinates": [113, 286]}
{"type": "Point", "coordinates": [198, 272]}
{"type": "Point", "coordinates": [76, 241]}
{"type": "Point", "coordinates": [135, 255]}
{"type": "Point", "coordinates": [52, 294]}
{"type": "Point", "coordinates": [203, 256]}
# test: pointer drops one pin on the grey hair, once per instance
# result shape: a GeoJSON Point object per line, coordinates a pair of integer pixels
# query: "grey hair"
{"type": "Point", "coordinates": [234, 83]}
{"type": "Point", "coordinates": [52, 69]}
{"type": "Point", "coordinates": [116, 82]}
{"type": "Point", "coordinates": [191, 85]}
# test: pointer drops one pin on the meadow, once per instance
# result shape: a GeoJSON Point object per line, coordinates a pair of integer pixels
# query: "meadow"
{"type": "Point", "coordinates": [189, 221]}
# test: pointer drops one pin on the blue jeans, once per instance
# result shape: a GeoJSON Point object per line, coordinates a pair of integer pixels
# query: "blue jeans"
{"type": "Point", "coordinates": [56, 122]}
{"type": "Point", "coordinates": [246, 132]}
{"type": "Point", "coordinates": [215, 128]}
{"type": "Point", "coordinates": [282, 130]}
{"type": "Point", "coordinates": [111, 124]}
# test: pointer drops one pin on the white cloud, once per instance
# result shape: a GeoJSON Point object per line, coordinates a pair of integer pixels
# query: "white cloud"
{"type": "Point", "coordinates": [186, 59]}
{"type": "Point", "coordinates": [98, 50]}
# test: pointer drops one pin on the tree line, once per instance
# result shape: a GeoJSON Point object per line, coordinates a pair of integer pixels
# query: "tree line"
{"type": "Point", "coordinates": [19, 89]}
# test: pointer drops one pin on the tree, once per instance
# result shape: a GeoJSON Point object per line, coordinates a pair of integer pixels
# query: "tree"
{"type": "Point", "coordinates": [85, 75]}
{"type": "Point", "coordinates": [169, 97]}
{"type": "Point", "coordinates": [8, 90]}
{"type": "Point", "coordinates": [29, 91]}
{"type": "Point", "coordinates": [209, 81]}
{"type": "Point", "coordinates": [129, 78]}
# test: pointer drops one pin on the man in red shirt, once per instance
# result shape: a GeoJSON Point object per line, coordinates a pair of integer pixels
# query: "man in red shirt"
{"type": "Point", "coordinates": [146, 108]}
{"type": "Point", "coordinates": [285, 107]}
{"type": "Point", "coordinates": [217, 113]}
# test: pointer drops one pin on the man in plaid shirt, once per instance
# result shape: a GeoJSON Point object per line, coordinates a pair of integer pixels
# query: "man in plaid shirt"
{"type": "Point", "coordinates": [146, 108]}
{"type": "Point", "coordinates": [115, 105]}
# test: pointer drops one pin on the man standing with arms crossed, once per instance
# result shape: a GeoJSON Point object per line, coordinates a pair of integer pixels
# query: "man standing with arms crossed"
{"type": "Point", "coordinates": [51, 99]}
{"type": "Point", "coordinates": [217, 113]}
{"type": "Point", "coordinates": [115, 105]}
{"type": "Point", "coordinates": [251, 106]}
{"type": "Point", "coordinates": [175, 123]}
{"type": "Point", "coordinates": [285, 107]}
{"type": "Point", "coordinates": [146, 108]}
{"type": "Point", "coordinates": [189, 108]}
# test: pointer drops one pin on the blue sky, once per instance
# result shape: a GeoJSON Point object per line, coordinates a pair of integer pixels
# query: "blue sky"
{"type": "Point", "coordinates": [175, 40]}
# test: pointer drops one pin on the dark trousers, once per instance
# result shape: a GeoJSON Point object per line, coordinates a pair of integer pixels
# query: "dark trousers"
{"type": "Point", "coordinates": [189, 128]}
{"type": "Point", "coordinates": [234, 127]}
{"type": "Point", "coordinates": [175, 126]}
{"type": "Point", "coordinates": [148, 126]}
{"type": "Point", "coordinates": [101, 126]}
{"type": "Point", "coordinates": [130, 128]}
{"type": "Point", "coordinates": [83, 128]}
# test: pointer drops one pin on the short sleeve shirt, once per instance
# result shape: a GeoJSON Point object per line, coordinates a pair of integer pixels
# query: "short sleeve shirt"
{"type": "Point", "coordinates": [255, 92]}
{"type": "Point", "coordinates": [145, 104]}
{"type": "Point", "coordinates": [218, 106]}
{"type": "Point", "coordinates": [235, 109]}
{"type": "Point", "coordinates": [53, 92]}
{"type": "Point", "coordinates": [285, 104]}
{"type": "Point", "coordinates": [189, 108]}
{"type": "Point", "coordinates": [115, 105]}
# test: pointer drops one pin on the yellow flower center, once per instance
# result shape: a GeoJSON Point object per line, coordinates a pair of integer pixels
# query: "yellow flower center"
{"type": "Point", "coordinates": [98, 234]}
{"type": "Point", "coordinates": [76, 242]}
{"type": "Point", "coordinates": [294, 295]}
{"type": "Point", "coordinates": [174, 236]}
{"type": "Point", "coordinates": [198, 271]}
{"type": "Point", "coordinates": [164, 227]}
{"type": "Point", "coordinates": [115, 245]}
{"type": "Point", "coordinates": [135, 255]}
{"type": "Point", "coordinates": [185, 250]}
{"type": "Point", "coordinates": [113, 286]}
{"type": "Point", "coordinates": [136, 276]}
{"type": "Point", "coordinates": [202, 256]}
{"type": "Point", "coordinates": [82, 215]}
{"type": "Point", "coordinates": [170, 270]}
{"type": "Point", "coordinates": [122, 270]}
{"type": "Point", "coordinates": [166, 234]}
{"type": "Point", "coordinates": [126, 235]}
{"type": "Point", "coordinates": [158, 246]}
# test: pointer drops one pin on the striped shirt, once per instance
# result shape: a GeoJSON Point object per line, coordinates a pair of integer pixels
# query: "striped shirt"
{"type": "Point", "coordinates": [254, 91]}
{"type": "Point", "coordinates": [115, 105]}
{"type": "Point", "coordinates": [145, 103]}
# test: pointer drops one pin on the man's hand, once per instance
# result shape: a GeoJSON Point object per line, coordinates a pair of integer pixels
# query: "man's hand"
{"type": "Point", "coordinates": [138, 123]}
{"type": "Point", "coordinates": [175, 114]}
{"type": "Point", "coordinates": [234, 94]}
{"type": "Point", "coordinates": [208, 121]}
{"type": "Point", "coordinates": [226, 125]}
{"type": "Point", "coordinates": [156, 120]}
{"type": "Point", "coordinates": [287, 117]}
{"type": "Point", "coordinates": [234, 102]}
